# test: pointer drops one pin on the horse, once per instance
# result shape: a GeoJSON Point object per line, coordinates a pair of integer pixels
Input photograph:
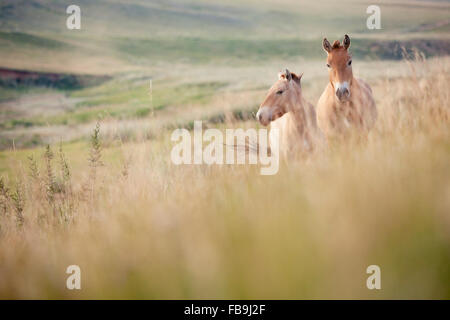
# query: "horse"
{"type": "Point", "coordinates": [286, 109]}
{"type": "Point", "coordinates": [346, 105]}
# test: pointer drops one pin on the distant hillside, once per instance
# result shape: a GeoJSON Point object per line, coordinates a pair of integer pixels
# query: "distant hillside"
{"type": "Point", "coordinates": [214, 18]}
{"type": "Point", "coordinates": [120, 35]}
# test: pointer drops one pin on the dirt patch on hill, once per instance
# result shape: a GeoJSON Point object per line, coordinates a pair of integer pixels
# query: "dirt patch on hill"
{"type": "Point", "coordinates": [13, 78]}
{"type": "Point", "coordinates": [32, 105]}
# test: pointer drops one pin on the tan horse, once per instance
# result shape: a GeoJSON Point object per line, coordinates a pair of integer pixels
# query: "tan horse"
{"type": "Point", "coordinates": [285, 108]}
{"type": "Point", "coordinates": [347, 103]}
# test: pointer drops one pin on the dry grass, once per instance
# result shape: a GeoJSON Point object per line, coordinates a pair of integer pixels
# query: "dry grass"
{"type": "Point", "coordinates": [144, 228]}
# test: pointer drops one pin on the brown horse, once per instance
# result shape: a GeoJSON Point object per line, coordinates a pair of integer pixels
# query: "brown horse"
{"type": "Point", "coordinates": [285, 108]}
{"type": "Point", "coordinates": [347, 103]}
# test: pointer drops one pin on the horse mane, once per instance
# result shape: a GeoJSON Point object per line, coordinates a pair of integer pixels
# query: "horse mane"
{"type": "Point", "coordinates": [295, 77]}
{"type": "Point", "coordinates": [336, 45]}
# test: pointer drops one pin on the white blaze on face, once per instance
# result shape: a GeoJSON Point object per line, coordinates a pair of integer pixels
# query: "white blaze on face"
{"type": "Point", "coordinates": [341, 86]}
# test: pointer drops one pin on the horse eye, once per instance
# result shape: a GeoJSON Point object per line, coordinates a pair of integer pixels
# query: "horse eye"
{"type": "Point", "coordinates": [350, 63]}
{"type": "Point", "coordinates": [328, 65]}
{"type": "Point", "coordinates": [279, 91]}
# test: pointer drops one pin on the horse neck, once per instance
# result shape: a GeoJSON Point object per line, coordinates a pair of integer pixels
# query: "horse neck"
{"type": "Point", "coordinates": [297, 114]}
{"type": "Point", "coordinates": [298, 104]}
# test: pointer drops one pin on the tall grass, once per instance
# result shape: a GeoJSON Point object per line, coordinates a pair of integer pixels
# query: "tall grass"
{"type": "Point", "coordinates": [165, 231]}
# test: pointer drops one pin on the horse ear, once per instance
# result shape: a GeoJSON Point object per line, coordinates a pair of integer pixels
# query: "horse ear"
{"type": "Point", "coordinates": [346, 41]}
{"type": "Point", "coordinates": [288, 75]}
{"type": "Point", "coordinates": [326, 45]}
{"type": "Point", "coordinates": [297, 78]}
{"type": "Point", "coordinates": [281, 75]}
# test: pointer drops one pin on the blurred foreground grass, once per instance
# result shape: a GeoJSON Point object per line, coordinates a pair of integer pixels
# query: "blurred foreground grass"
{"type": "Point", "coordinates": [140, 227]}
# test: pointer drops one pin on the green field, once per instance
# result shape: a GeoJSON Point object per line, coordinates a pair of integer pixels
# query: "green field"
{"type": "Point", "coordinates": [204, 47]}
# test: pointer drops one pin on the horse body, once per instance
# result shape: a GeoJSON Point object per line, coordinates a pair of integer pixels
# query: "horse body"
{"type": "Point", "coordinates": [359, 112]}
{"type": "Point", "coordinates": [347, 103]}
{"type": "Point", "coordinates": [285, 109]}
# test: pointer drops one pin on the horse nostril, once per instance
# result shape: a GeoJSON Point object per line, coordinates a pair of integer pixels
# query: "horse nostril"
{"type": "Point", "coordinates": [342, 92]}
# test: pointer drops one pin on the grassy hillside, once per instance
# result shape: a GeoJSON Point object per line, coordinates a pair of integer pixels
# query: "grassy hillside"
{"type": "Point", "coordinates": [141, 227]}
{"type": "Point", "coordinates": [194, 52]}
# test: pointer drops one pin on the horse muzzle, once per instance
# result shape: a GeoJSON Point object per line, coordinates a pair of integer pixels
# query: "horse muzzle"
{"type": "Point", "coordinates": [264, 115]}
{"type": "Point", "coordinates": [342, 91]}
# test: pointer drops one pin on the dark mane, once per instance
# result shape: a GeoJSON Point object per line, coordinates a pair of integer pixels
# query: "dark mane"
{"type": "Point", "coordinates": [294, 76]}
{"type": "Point", "coordinates": [336, 45]}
